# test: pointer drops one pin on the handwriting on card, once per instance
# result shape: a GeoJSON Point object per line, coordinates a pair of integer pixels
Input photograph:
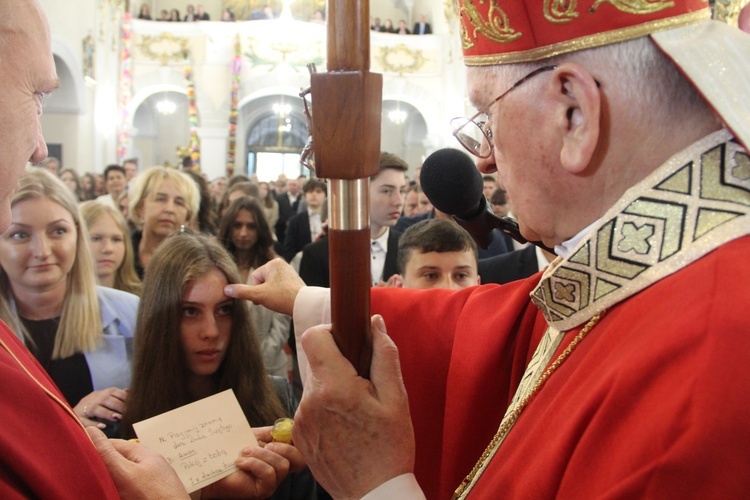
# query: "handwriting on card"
{"type": "Point", "coordinates": [200, 440]}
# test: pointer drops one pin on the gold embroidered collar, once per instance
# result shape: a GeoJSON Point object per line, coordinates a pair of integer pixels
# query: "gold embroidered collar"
{"type": "Point", "coordinates": [698, 200]}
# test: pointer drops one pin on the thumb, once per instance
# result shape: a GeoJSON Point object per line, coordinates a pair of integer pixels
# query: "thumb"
{"type": "Point", "coordinates": [115, 452]}
{"type": "Point", "coordinates": [385, 369]}
{"type": "Point", "coordinates": [109, 455]}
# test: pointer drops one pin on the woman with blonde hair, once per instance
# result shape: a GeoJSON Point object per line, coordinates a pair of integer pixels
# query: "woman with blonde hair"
{"type": "Point", "coordinates": [162, 201]}
{"type": "Point", "coordinates": [111, 247]}
{"type": "Point", "coordinates": [80, 333]}
{"type": "Point", "coordinates": [192, 341]}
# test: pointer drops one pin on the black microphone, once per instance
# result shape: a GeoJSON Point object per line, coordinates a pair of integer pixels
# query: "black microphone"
{"type": "Point", "coordinates": [452, 183]}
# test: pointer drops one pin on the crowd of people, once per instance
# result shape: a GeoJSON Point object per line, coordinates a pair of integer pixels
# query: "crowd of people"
{"type": "Point", "coordinates": [73, 274]}
{"type": "Point", "coordinates": [156, 232]}
{"type": "Point", "coordinates": [421, 27]}
{"type": "Point", "coordinates": [614, 359]}
{"type": "Point", "coordinates": [193, 13]}
{"type": "Point", "coordinates": [173, 15]}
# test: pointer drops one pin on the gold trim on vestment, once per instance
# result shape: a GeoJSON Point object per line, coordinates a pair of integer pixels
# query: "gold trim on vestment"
{"type": "Point", "coordinates": [699, 200]}
{"type": "Point", "coordinates": [588, 42]}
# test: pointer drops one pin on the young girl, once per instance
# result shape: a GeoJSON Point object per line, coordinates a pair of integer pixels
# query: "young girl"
{"type": "Point", "coordinates": [246, 234]}
{"type": "Point", "coordinates": [192, 341]}
{"type": "Point", "coordinates": [111, 247]}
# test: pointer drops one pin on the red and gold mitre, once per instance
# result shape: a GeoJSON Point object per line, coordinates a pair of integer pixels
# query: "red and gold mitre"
{"type": "Point", "coordinates": [512, 31]}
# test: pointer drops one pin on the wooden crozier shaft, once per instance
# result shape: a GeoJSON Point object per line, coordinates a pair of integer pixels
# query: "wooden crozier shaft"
{"type": "Point", "coordinates": [346, 141]}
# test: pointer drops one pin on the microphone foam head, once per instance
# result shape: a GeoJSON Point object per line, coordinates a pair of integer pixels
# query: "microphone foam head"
{"type": "Point", "coordinates": [451, 181]}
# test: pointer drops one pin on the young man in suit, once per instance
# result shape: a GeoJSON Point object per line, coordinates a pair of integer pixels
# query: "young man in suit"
{"type": "Point", "coordinates": [387, 189]}
{"type": "Point", "coordinates": [288, 198]}
{"type": "Point", "coordinates": [422, 27]}
{"type": "Point", "coordinates": [304, 227]}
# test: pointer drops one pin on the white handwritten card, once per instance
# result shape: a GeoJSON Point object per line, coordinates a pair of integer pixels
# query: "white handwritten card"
{"type": "Point", "coordinates": [200, 440]}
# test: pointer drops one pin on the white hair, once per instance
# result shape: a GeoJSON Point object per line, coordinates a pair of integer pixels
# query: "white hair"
{"type": "Point", "coordinates": [634, 71]}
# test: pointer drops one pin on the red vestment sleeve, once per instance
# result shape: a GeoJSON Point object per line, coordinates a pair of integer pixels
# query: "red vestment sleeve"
{"type": "Point", "coordinates": [462, 356]}
{"type": "Point", "coordinates": [651, 404]}
{"type": "Point", "coordinates": [44, 451]}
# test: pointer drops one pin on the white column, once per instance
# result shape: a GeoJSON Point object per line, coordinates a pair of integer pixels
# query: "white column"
{"type": "Point", "coordinates": [214, 151]}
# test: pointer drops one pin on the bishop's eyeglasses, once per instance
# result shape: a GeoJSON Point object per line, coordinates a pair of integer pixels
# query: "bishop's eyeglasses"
{"type": "Point", "coordinates": [472, 132]}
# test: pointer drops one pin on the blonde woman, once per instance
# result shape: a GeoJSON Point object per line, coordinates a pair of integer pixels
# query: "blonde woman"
{"type": "Point", "coordinates": [111, 247]}
{"type": "Point", "coordinates": [80, 333]}
{"type": "Point", "coordinates": [161, 202]}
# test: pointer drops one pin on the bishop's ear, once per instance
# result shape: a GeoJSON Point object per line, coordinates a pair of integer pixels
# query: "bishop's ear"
{"type": "Point", "coordinates": [579, 102]}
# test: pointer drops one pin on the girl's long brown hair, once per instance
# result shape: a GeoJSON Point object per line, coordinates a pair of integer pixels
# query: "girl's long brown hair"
{"type": "Point", "coordinates": [160, 372]}
{"type": "Point", "coordinates": [263, 251]}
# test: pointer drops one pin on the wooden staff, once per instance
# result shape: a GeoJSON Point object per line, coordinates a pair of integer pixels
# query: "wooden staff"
{"type": "Point", "coordinates": [347, 104]}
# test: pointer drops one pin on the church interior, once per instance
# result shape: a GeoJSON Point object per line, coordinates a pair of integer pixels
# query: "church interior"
{"type": "Point", "coordinates": [227, 94]}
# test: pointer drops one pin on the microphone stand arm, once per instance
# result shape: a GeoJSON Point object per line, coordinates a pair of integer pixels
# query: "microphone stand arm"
{"type": "Point", "coordinates": [481, 227]}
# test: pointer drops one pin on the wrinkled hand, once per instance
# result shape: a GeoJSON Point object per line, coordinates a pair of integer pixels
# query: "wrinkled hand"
{"type": "Point", "coordinates": [107, 404]}
{"type": "Point", "coordinates": [273, 285]}
{"type": "Point", "coordinates": [262, 469]}
{"type": "Point", "coordinates": [354, 433]}
{"type": "Point", "coordinates": [138, 473]}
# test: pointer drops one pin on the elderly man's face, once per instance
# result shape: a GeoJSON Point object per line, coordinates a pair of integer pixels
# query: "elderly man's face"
{"type": "Point", "coordinates": [524, 154]}
{"type": "Point", "coordinates": [28, 72]}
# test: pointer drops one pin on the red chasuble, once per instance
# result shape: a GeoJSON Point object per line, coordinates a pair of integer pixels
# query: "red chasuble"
{"type": "Point", "coordinates": [652, 404]}
{"type": "Point", "coordinates": [44, 451]}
